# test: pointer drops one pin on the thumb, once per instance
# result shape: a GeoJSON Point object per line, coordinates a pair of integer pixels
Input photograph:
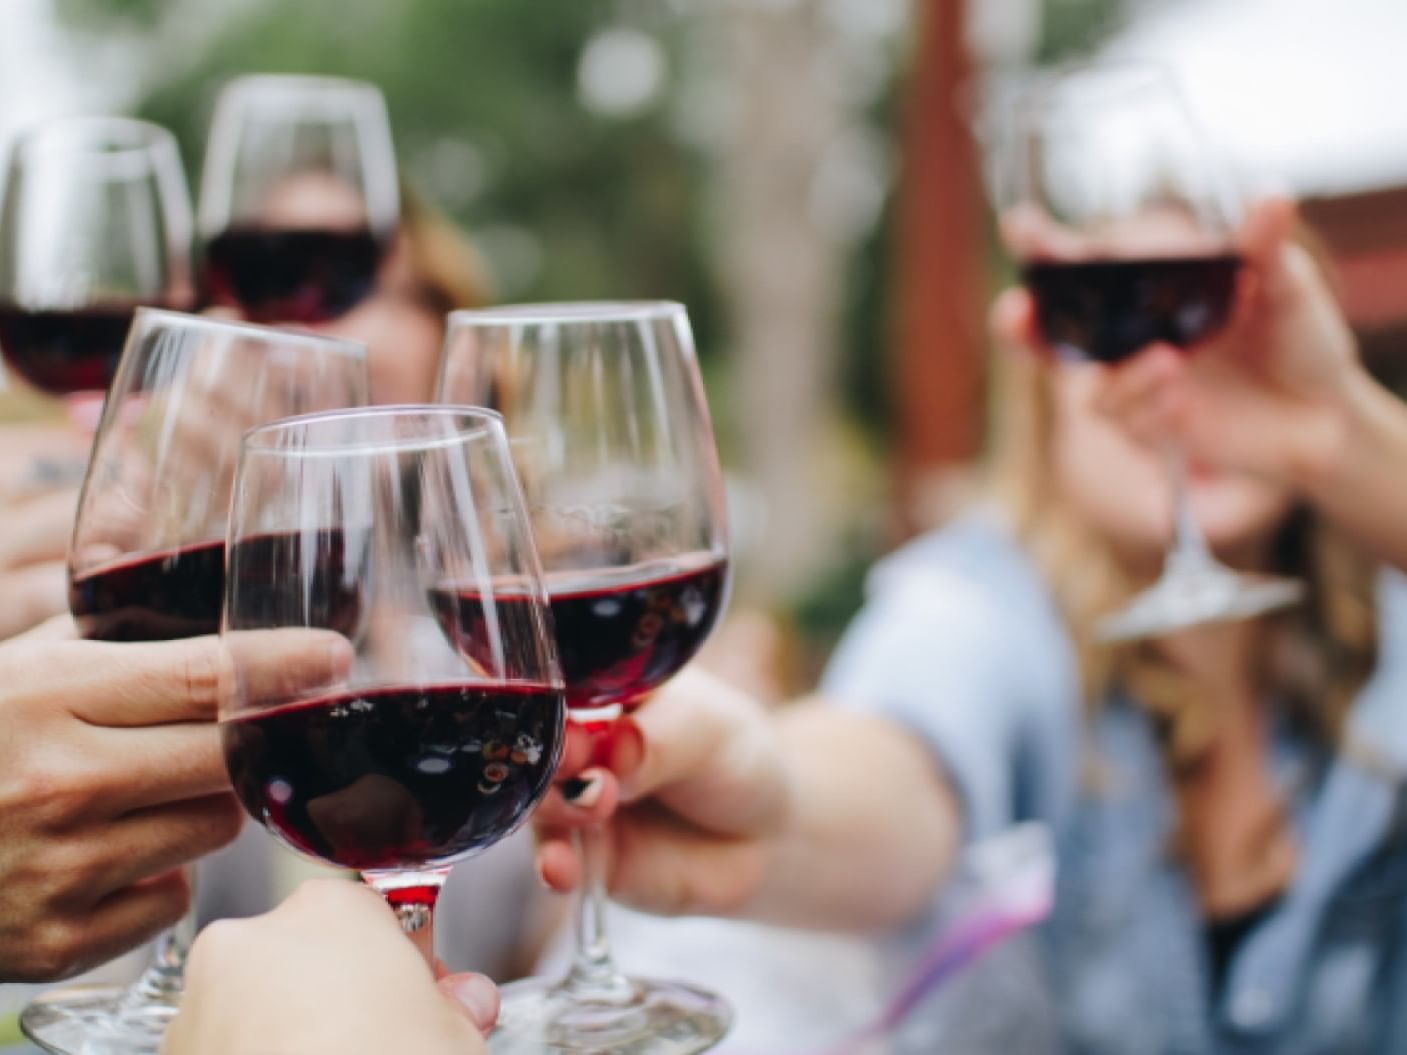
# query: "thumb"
{"type": "Point", "coordinates": [475, 995]}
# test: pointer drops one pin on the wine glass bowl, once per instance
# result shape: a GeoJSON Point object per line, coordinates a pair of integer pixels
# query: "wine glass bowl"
{"type": "Point", "coordinates": [420, 753]}
{"type": "Point", "coordinates": [95, 221]}
{"type": "Point", "coordinates": [298, 201]}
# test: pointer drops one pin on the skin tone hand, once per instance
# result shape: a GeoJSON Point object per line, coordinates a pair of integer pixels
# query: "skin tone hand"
{"type": "Point", "coordinates": [328, 972]}
{"type": "Point", "coordinates": [1279, 395]}
{"type": "Point", "coordinates": [111, 779]}
{"type": "Point", "coordinates": [812, 817]}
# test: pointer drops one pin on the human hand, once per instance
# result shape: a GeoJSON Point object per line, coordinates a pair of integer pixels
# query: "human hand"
{"type": "Point", "coordinates": [328, 972]}
{"type": "Point", "coordinates": [111, 778]}
{"type": "Point", "coordinates": [700, 789]}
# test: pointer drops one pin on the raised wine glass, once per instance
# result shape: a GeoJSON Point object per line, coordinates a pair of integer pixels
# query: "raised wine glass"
{"type": "Point", "coordinates": [147, 561]}
{"type": "Point", "coordinates": [423, 752]}
{"type": "Point", "coordinates": [95, 221]}
{"type": "Point", "coordinates": [298, 198]}
{"type": "Point", "coordinates": [611, 436]}
{"type": "Point", "coordinates": [1125, 221]}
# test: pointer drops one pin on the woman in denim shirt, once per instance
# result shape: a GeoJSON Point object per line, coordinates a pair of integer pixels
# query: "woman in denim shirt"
{"type": "Point", "coordinates": [1227, 802]}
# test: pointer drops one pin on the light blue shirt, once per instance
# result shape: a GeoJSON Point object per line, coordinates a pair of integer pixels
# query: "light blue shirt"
{"type": "Point", "coordinates": [961, 643]}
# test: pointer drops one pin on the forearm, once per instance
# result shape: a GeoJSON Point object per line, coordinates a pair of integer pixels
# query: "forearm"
{"type": "Point", "coordinates": [1352, 464]}
{"type": "Point", "coordinates": [871, 829]}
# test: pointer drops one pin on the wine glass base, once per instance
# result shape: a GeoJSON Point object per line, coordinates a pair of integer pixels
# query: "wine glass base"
{"type": "Point", "coordinates": [656, 1018]}
{"type": "Point", "coordinates": [96, 1020]}
{"type": "Point", "coordinates": [1190, 598]}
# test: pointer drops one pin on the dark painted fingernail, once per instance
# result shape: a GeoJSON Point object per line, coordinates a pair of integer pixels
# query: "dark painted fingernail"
{"type": "Point", "coordinates": [582, 791]}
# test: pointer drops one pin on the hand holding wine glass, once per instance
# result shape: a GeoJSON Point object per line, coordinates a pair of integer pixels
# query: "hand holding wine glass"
{"type": "Point", "coordinates": [1127, 228]}
{"type": "Point", "coordinates": [695, 770]}
{"type": "Point", "coordinates": [1259, 397]}
{"type": "Point", "coordinates": [327, 972]}
{"type": "Point", "coordinates": [111, 778]}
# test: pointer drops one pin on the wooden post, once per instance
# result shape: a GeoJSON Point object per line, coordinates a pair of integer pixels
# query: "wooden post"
{"type": "Point", "coordinates": [938, 321]}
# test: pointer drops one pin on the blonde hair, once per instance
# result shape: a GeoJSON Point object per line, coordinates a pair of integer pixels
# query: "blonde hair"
{"type": "Point", "coordinates": [1315, 658]}
{"type": "Point", "coordinates": [449, 273]}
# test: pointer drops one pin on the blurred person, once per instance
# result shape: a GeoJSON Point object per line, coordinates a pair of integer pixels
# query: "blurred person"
{"type": "Point", "coordinates": [111, 778]}
{"type": "Point", "coordinates": [328, 972]}
{"type": "Point", "coordinates": [1227, 801]}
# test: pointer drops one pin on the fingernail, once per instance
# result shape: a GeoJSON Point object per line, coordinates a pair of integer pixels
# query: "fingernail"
{"type": "Point", "coordinates": [583, 791]}
{"type": "Point", "coordinates": [477, 995]}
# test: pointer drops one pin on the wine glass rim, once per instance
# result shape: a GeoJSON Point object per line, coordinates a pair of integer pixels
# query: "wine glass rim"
{"type": "Point", "coordinates": [268, 334]}
{"type": "Point", "coordinates": [566, 312]}
{"type": "Point", "coordinates": [253, 85]}
{"type": "Point", "coordinates": [111, 135]}
{"type": "Point", "coordinates": [486, 421]}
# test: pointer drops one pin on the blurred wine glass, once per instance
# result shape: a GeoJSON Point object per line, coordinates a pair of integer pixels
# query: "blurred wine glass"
{"type": "Point", "coordinates": [95, 222]}
{"type": "Point", "coordinates": [1125, 220]}
{"type": "Point", "coordinates": [298, 196]}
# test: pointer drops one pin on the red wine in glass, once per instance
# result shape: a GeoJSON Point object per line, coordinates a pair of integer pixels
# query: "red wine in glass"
{"type": "Point", "coordinates": [621, 633]}
{"type": "Point", "coordinates": [156, 597]}
{"type": "Point", "coordinates": [65, 351]}
{"type": "Point", "coordinates": [179, 593]}
{"type": "Point", "coordinates": [294, 275]}
{"type": "Point", "coordinates": [398, 777]}
{"type": "Point", "coordinates": [1107, 310]}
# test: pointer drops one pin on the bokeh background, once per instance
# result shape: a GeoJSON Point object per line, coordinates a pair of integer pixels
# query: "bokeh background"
{"type": "Point", "coordinates": [806, 174]}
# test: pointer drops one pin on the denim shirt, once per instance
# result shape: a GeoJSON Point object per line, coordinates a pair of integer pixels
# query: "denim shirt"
{"type": "Point", "coordinates": [961, 643]}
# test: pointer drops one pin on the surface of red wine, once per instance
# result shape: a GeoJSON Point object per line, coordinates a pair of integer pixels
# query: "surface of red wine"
{"type": "Point", "coordinates": [397, 778]}
{"type": "Point", "coordinates": [181, 592]}
{"type": "Point", "coordinates": [155, 597]}
{"type": "Point", "coordinates": [621, 633]}
{"type": "Point", "coordinates": [291, 275]}
{"type": "Point", "coordinates": [1107, 310]}
{"type": "Point", "coordinates": [61, 352]}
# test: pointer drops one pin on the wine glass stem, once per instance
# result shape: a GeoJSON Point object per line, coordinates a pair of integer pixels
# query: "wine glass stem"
{"type": "Point", "coordinates": [593, 974]}
{"type": "Point", "coordinates": [1189, 546]}
{"type": "Point", "coordinates": [413, 897]}
{"type": "Point", "coordinates": [164, 978]}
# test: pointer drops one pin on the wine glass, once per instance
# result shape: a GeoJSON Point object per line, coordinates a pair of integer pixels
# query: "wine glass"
{"type": "Point", "coordinates": [95, 221]}
{"type": "Point", "coordinates": [298, 198]}
{"type": "Point", "coordinates": [147, 561]}
{"type": "Point", "coordinates": [611, 436]}
{"type": "Point", "coordinates": [421, 752]}
{"type": "Point", "coordinates": [1124, 220]}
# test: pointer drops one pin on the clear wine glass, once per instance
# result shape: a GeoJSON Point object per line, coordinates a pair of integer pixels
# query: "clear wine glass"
{"type": "Point", "coordinates": [422, 751]}
{"type": "Point", "coordinates": [611, 436]}
{"type": "Point", "coordinates": [95, 221]}
{"type": "Point", "coordinates": [1125, 222]}
{"type": "Point", "coordinates": [147, 561]}
{"type": "Point", "coordinates": [298, 196]}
